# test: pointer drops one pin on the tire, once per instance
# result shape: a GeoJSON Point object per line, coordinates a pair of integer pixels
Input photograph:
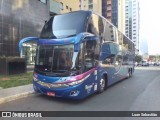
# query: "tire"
{"type": "Point", "coordinates": [102, 85]}
{"type": "Point", "coordinates": [129, 73]}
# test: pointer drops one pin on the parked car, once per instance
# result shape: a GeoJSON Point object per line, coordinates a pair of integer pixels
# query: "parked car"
{"type": "Point", "coordinates": [145, 63]}
{"type": "Point", "coordinates": [156, 64]}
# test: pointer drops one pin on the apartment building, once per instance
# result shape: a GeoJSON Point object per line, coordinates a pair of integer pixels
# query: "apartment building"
{"type": "Point", "coordinates": [63, 6]}
{"type": "Point", "coordinates": [92, 5]}
{"type": "Point", "coordinates": [124, 14]}
{"type": "Point", "coordinates": [132, 21]}
{"type": "Point", "coordinates": [114, 11]}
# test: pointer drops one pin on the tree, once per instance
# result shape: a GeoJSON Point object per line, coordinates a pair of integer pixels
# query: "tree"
{"type": "Point", "coordinates": [138, 58]}
{"type": "Point", "coordinates": [158, 58]}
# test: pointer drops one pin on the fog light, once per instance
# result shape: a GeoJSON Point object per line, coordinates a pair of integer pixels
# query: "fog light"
{"type": "Point", "coordinates": [74, 93]}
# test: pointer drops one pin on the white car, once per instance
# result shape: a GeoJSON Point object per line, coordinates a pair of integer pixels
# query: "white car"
{"type": "Point", "coordinates": [145, 63]}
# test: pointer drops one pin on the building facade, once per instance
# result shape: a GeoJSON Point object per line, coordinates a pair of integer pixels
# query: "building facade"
{"type": "Point", "coordinates": [107, 9]}
{"type": "Point", "coordinates": [132, 21]}
{"type": "Point", "coordinates": [121, 16]}
{"type": "Point", "coordinates": [63, 6]}
{"type": "Point", "coordinates": [92, 5]}
{"type": "Point", "coordinates": [124, 14]}
{"type": "Point", "coordinates": [114, 11]}
{"type": "Point", "coordinates": [19, 19]}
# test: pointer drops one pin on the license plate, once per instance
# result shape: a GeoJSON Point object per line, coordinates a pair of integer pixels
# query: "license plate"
{"type": "Point", "coordinates": [51, 94]}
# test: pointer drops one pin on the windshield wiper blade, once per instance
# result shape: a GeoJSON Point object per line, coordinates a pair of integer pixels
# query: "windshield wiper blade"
{"type": "Point", "coordinates": [61, 72]}
{"type": "Point", "coordinates": [52, 74]}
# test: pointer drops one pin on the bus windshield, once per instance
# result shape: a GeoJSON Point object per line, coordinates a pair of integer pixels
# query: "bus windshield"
{"type": "Point", "coordinates": [66, 25]}
{"type": "Point", "coordinates": [56, 60]}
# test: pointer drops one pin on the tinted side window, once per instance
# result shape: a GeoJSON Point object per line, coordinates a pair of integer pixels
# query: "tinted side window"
{"type": "Point", "coordinates": [47, 29]}
{"type": "Point", "coordinates": [93, 25]}
{"type": "Point", "coordinates": [109, 52]}
{"type": "Point", "coordinates": [65, 25]}
{"type": "Point", "coordinates": [125, 42]}
{"type": "Point", "coordinates": [125, 58]}
{"type": "Point", "coordinates": [79, 60]}
{"type": "Point", "coordinates": [89, 56]}
{"type": "Point", "coordinates": [120, 38]}
{"type": "Point", "coordinates": [101, 24]}
{"type": "Point", "coordinates": [96, 25]}
{"type": "Point", "coordinates": [110, 33]}
{"type": "Point", "coordinates": [118, 59]}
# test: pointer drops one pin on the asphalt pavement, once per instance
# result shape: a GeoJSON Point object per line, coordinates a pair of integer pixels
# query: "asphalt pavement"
{"type": "Point", "coordinates": [138, 93]}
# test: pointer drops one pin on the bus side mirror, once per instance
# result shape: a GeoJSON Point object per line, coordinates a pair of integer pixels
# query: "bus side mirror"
{"type": "Point", "coordinates": [76, 47]}
{"type": "Point", "coordinates": [91, 38]}
{"type": "Point", "coordinates": [27, 39]}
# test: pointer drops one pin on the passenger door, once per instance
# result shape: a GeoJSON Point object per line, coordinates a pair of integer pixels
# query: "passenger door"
{"type": "Point", "coordinates": [89, 54]}
{"type": "Point", "coordinates": [90, 62]}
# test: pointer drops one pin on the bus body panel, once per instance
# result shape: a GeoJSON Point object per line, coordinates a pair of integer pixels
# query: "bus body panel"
{"type": "Point", "coordinates": [94, 53]}
{"type": "Point", "coordinates": [88, 87]}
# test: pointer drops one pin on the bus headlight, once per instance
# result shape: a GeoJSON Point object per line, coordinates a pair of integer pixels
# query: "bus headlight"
{"type": "Point", "coordinates": [75, 82]}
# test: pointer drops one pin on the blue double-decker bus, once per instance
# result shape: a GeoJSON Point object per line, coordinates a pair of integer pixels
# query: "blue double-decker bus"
{"type": "Point", "coordinates": [78, 54]}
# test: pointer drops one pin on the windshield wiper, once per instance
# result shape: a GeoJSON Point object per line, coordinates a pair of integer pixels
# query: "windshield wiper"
{"type": "Point", "coordinates": [53, 74]}
{"type": "Point", "coordinates": [61, 73]}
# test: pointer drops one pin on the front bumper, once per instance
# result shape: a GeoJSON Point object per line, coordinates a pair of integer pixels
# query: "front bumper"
{"type": "Point", "coordinates": [73, 92]}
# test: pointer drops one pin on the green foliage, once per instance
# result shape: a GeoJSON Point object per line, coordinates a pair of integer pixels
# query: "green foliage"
{"type": "Point", "coordinates": [15, 80]}
{"type": "Point", "coordinates": [158, 57]}
{"type": "Point", "coordinates": [138, 58]}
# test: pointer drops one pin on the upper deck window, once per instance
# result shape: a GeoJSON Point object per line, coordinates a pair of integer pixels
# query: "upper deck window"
{"type": "Point", "coordinates": [66, 25]}
{"type": "Point", "coordinates": [43, 1]}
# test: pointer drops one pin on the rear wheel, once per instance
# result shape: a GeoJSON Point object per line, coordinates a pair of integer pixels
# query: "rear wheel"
{"type": "Point", "coordinates": [102, 85]}
{"type": "Point", "coordinates": [129, 73]}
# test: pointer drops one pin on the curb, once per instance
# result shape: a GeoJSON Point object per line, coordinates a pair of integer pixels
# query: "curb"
{"type": "Point", "coordinates": [14, 97]}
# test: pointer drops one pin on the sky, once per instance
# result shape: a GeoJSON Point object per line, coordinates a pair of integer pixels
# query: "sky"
{"type": "Point", "coordinates": [150, 25]}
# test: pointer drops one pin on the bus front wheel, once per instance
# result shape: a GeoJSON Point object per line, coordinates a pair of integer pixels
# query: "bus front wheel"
{"type": "Point", "coordinates": [102, 85]}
